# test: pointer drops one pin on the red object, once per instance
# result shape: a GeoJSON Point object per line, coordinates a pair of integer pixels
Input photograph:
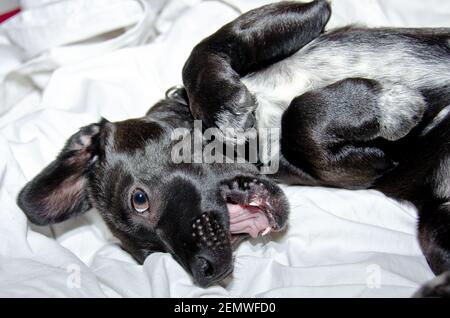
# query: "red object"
{"type": "Point", "coordinates": [8, 15]}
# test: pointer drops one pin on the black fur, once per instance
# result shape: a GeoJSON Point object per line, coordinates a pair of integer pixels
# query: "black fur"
{"type": "Point", "coordinates": [212, 73]}
{"type": "Point", "coordinates": [333, 135]}
{"type": "Point", "coordinates": [334, 127]}
{"type": "Point", "coordinates": [107, 161]}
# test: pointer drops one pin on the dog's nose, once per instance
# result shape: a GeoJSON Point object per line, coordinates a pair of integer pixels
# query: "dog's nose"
{"type": "Point", "coordinates": [213, 260]}
{"type": "Point", "coordinates": [208, 270]}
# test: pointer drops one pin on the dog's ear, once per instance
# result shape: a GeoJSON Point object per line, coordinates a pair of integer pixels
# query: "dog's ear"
{"type": "Point", "coordinates": [59, 191]}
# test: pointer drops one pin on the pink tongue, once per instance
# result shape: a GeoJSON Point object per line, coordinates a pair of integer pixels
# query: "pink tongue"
{"type": "Point", "coordinates": [247, 219]}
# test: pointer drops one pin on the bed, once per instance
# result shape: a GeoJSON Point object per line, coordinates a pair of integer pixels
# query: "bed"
{"type": "Point", "coordinates": [65, 64]}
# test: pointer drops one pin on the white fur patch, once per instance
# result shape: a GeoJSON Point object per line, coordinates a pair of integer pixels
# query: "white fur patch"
{"type": "Point", "coordinates": [325, 61]}
{"type": "Point", "coordinates": [401, 110]}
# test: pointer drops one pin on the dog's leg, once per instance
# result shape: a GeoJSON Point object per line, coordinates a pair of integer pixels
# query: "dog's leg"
{"type": "Point", "coordinates": [438, 287]}
{"type": "Point", "coordinates": [423, 178]}
{"type": "Point", "coordinates": [212, 74]}
{"type": "Point", "coordinates": [434, 235]}
{"type": "Point", "coordinates": [331, 132]}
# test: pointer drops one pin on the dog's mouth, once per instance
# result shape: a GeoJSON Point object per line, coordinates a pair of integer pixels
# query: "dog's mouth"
{"type": "Point", "coordinates": [255, 208]}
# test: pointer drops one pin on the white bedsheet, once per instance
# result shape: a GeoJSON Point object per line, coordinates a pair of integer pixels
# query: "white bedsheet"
{"type": "Point", "coordinates": [339, 243]}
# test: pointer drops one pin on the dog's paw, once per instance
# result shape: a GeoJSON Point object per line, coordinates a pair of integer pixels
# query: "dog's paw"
{"type": "Point", "coordinates": [231, 120]}
{"type": "Point", "coordinates": [438, 287]}
{"type": "Point", "coordinates": [255, 199]}
{"type": "Point", "coordinates": [401, 109]}
{"type": "Point", "coordinates": [228, 107]}
{"type": "Point", "coordinates": [236, 120]}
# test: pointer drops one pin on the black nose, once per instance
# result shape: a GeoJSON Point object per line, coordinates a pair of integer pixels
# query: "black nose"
{"type": "Point", "coordinates": [207, 270]}
{"type": "Point", "coordinates": [213, 258]}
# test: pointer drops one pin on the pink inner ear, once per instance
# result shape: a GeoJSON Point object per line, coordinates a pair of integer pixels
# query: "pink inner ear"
{"type": "Point", "coordinates": [247, 219]}
{"type": "Point", "coordinates": [66, 196]}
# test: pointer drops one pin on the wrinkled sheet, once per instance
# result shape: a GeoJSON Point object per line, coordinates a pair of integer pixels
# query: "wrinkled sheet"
{"type": "Point", "coordinates": [58, 74]}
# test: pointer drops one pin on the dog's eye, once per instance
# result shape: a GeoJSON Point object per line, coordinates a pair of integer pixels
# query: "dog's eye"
{"type": "Point", "coordinates": [139, 201]}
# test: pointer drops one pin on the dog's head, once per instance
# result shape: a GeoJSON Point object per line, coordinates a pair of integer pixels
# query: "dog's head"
{"type": "Point", "coordinates": [198, 212]}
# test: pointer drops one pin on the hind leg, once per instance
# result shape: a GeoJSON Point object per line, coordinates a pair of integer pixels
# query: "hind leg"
{"type": "Point", "coordinates": [434, 237]}
{"type": "Point", "coordinates": [333, 133]}
{"type": "Point", "coordinates": [438, 287]}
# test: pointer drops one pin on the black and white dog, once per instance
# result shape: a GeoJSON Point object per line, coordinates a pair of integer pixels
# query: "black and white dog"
{"type": "Point", "coordinates": [357, 108]}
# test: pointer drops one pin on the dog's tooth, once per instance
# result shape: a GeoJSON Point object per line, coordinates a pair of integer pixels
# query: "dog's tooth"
{"type": "Point", "coordinates": [266, 231]}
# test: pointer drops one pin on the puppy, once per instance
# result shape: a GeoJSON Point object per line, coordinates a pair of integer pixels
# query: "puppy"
{"type": "Point", "coordinates": [357, 107]}
{"type": "Point", "coordinates": [126, 171]}
{"type": "Point", "coordinates": [348, 134]}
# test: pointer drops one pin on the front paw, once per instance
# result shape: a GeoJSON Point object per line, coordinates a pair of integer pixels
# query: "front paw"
{"type": "Point", "coordinates": [242, 119]}
{"type": "Point", "coordinates": [236, 127]}
{"type": "Point", "coordinates": [438, 287]}
{"type": "Point", "coordinates": [256, 205]}
{"type": "Point", "coordinates": [231, 111]}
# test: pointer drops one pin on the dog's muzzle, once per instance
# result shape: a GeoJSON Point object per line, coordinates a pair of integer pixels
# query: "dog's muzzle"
{"type": "Point", "coordinates": [213, 262]}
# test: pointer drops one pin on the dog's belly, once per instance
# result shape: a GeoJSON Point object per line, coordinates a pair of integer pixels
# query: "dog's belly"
{"type": "Point", "coordinates": [386, 56]}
